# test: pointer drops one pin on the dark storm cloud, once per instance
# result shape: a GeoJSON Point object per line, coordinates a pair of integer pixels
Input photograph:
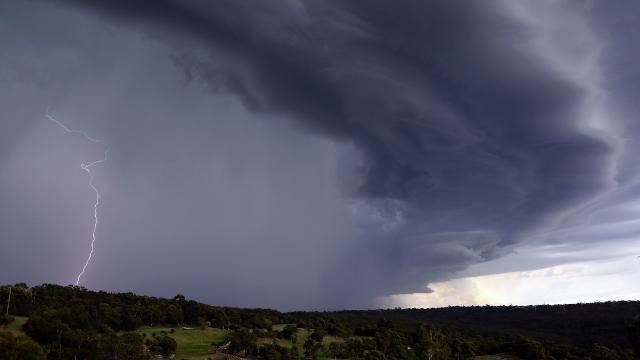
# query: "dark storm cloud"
{"type": "Point", "coordinates": [470, 129]}
{"type": "Point", "coordinates": [453, 109]}
{"type": "Point", "coordinates": [431, 92]}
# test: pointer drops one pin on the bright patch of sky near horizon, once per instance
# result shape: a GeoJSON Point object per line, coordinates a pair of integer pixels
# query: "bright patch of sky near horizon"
{"type": "Point", "coordinates": [590, 281]}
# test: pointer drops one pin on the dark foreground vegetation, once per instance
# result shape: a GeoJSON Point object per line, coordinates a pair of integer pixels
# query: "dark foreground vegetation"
{"type": "Point", "coordinates": [56, 322]}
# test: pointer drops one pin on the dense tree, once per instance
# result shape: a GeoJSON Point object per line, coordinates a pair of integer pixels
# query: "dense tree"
{"type": "Point", "coordinates": [288, 332]}
{"type": "Point", "coordinates": [311, 348]}
{"type": "Point", "coordinates": [634, 334]}
{"type": "Point", "coordinates": [601, 352]}
{"type": "Point", "coordinates": [529, 349]}
{"type": "Point", "coordinates": [270, 352]}
{"type": "Point", "coordinates": [191, 312]}
{"type": "Point", "coordinates": [131, 347]}
{"type": "Point", "coordinates": [461, 349]}
{"type": "Point", "coordinates": [432, 343]}
{"type": "Point", "coordinates": [318, 335]}
{"type": "Point", "coordinates": [393, 343]}
{"type": "Point", "coordinates": [374, 355]}
{"type": "Point", "coordinates": [242, 340]}
{"type": "Point", "coordinates": [217, 318]}
{"type": "Point", "coordinates": [46, 329]}
{"type": "Point", "coordinates": [161, 344]}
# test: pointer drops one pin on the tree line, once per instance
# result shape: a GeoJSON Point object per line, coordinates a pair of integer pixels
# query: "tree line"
{"type": "Point", "coordinates": [71, 322]}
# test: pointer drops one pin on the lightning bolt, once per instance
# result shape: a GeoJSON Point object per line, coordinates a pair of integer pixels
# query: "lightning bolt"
{"type": "Point", "coordinates": [87, 169]}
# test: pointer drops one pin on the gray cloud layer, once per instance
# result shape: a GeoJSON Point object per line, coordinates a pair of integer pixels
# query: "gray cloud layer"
{"type": "Point", "coordinates": [463, 130]}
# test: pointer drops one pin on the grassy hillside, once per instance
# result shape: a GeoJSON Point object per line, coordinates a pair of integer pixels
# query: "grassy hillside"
{"type": "Point", "coordinates": [198, 343]}
{"type": "Point", "coordinates": [193, 343]}
{"type": "Point", "coordinates": [15, 326]}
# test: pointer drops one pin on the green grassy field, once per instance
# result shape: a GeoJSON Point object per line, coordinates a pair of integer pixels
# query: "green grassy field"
{"type": "Point", "coordinates": [280, 327]}
{"type": "Point", "coordinates": [192, 344]}
{"type": "Point", "coordinates": [332, 339]}
{"type": "Point", "coordinates": [16, 325]}
{"type": "Point", "coordinates": [280, 342]}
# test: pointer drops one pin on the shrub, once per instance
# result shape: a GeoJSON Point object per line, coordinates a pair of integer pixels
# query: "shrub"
{"type": "Point", "coordinates": [6, 319]}
{"type": "Point", "coordinates": [19, 347]}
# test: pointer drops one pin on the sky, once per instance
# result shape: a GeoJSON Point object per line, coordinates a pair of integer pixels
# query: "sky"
{"type": "Point", "coordinates": [300, 155]}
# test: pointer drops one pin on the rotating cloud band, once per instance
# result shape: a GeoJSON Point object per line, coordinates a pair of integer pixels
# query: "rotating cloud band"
{"type": "Point", "coordinates": [87, 169]}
